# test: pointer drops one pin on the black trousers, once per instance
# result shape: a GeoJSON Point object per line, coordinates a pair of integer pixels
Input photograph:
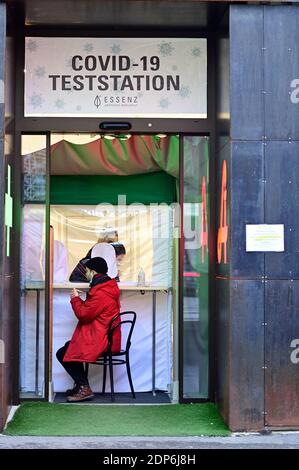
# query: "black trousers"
{"type": "Point", "coordinates": [74, 369]}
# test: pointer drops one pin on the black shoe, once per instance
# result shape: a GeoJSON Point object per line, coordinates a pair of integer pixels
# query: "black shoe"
{"type": "Point", "coordinates": [70, 391]}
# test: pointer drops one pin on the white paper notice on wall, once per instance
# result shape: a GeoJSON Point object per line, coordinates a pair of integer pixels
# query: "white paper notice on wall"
{"type": "Point", "coordinates": [265, 237]}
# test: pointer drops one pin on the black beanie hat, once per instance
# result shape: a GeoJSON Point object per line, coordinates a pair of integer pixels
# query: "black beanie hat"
{"type": "Point", "coordinates": [97, 264]}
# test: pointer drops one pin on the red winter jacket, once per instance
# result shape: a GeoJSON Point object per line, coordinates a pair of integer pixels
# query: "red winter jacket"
{"type": "Point", "coordinates": [90, 338]}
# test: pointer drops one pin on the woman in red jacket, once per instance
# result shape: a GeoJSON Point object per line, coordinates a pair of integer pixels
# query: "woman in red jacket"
{"type": "Point", "coordinates": [90, 338]}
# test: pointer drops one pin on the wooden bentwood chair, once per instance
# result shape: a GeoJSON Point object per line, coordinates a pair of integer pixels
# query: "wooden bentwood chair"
{"type": "Point", "coordinates": [110, 359]}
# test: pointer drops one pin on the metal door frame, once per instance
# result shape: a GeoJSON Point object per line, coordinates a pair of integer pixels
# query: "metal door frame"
{"type": "Point", "coordinates": [203, 127]}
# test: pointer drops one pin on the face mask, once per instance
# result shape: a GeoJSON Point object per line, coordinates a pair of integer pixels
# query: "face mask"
{"type": "Point", "coordinates": [89, 275]}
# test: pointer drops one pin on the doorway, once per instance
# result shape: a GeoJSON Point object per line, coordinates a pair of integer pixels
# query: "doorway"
{"type": "Point", "coordinates": [72, 182]}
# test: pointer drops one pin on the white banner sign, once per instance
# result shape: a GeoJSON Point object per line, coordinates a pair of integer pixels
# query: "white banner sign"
{"type": "Point", "coordinates": [265, 237]}
{"type": "Point", "coordinates": [120, 77]}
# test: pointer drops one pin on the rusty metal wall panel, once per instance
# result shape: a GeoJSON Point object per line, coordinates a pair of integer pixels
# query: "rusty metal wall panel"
{"type": "Point", "coordinates": [272, 71]}
{"type": "Point", "coordinates": [246, 356]}
{"type": "Point", "coordinates": [247, 206]}
{"type": "Point", "coordinates": [122, 14]}
{"type": "Point", "coordinates": [246, 72]}
{"type": "Point", "coordinates": [282, 206]}
{"type": "Point", "coordinates": [246, 291]}
{"type": "Point", "coordinates": [219, 318]}
{"type": "Point", "coordinates": [223, 154]}
{"type": "Point", "coordinates": [9, 313]}
{"type": "Point", "coordinates": [281, 68]}
{"type": "Point", "coordinates": [221, 339]}
{"type": "Point", "coordinates": [282, 373]}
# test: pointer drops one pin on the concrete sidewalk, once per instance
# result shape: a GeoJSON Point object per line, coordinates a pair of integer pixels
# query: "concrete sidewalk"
{"type": "Point", "coordinates": [277, 440]}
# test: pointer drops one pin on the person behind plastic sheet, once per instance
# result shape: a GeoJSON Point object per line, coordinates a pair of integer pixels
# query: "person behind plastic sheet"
{"type": "Point", "coordinates": [107, 247]}
{"type": "Point", "coordinates": [109, 237]}
{"type": "Point", "coordinates": [120, 252]}
{"type": "Point", "coordinates": [90, 338]}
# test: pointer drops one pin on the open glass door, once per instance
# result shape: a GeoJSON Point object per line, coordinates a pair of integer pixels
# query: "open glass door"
{"type": "Point", "coordinates": [34, 306]}
{"type": "Point", "coordinates": [195, 268]}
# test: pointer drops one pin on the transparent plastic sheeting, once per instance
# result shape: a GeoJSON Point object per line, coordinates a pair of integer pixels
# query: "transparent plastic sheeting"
{"type": "Point", "coordinates": [147, 237]}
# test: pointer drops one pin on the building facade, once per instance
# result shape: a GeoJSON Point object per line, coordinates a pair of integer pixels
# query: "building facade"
{"type": "Point", "coordinates": [253, 132]}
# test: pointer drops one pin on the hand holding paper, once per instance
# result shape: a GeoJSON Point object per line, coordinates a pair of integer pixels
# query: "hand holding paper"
{"type": "Point", "coordinates": [74, 293]}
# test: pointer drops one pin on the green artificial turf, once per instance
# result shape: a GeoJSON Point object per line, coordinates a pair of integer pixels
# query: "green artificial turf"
{"type": "Point", "coordinates": [48, 419]}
